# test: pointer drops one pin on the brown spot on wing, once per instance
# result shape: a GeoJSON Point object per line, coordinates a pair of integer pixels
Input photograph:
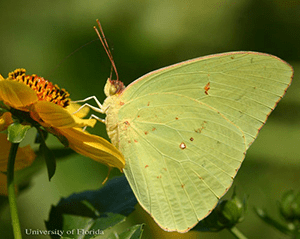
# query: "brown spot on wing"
{"type": "Point", "coordinates": [182, 145]}
{"type": "Point", "coordinates": [126, 125]}
{"type": "Point", "coordinates": [199, 130]}
{"type": "Point", "coordinates": [146, 166]}
{"type": "Point", "coordinates": [146, 132]}
{"type": "Point", "coordinates": [206, 88]}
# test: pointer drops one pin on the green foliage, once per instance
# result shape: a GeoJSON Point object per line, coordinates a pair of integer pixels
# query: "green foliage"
{"type": "Point", "coordinates": [95, 210]}
{"type": "Point", "coordinates": [226, 215]}
{"type": "Point", "coordinates": [134, 232]}
{"type": "Point", "coordinates": [46, 152]}
{"type": "Point", "coordinates": [49, 158]}
{"type": "Point", "coordinates": [289, 210]}
{"type": "Point", "coordinates": [186, 29]}
{"type": "Point", "coordinates": [17, 132]}
{"type": "Point", "coordinates": [289, 206]}
{"type": "Point", "coordinates": [85, 227]}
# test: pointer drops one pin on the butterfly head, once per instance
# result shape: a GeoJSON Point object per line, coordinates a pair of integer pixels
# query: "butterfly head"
{"type": "Point", "coordinates": [113, 87]}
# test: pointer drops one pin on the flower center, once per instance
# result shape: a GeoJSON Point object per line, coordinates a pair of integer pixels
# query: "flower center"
{"type": "Point", "coordinates": [44, 89]}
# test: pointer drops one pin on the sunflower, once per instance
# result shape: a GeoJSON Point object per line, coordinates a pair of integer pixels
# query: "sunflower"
{"type": "Point", "coordinates": [32, 100]}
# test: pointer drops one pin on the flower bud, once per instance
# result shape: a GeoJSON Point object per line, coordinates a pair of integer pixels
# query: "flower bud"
{"type": "Point", "coordinates": [290, 206]}
{"type": "Point", "coordinates": [231, 211]}
{"type": "Point", "coordinates": [226, 215]}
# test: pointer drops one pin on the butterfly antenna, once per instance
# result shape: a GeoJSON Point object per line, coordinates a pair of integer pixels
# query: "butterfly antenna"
{"type": "Point", "coordinates": [106, 48]}
{"type": "Point", "coordinates": [59, 64]}
{"type": "Point", "coordinates": [111, 71]}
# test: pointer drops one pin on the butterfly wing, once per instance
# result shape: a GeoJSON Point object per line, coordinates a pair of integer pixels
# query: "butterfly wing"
{"type": "Point", "coordinates": [184, 130]}
{"type": "Point", "coordinates": [243, 86]}
{"type": "Point", "coordinates": [181, 157]}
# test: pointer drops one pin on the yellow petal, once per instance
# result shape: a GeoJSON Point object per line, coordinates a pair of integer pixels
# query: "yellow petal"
{"type": "Point", "coordinates": [94, 147]}
{"type": "Point", "coordinates": [1, 78]}
{"type": "Point", "coordinates": [58, 117]}
{"type": "Point", "coordinates": [5, 121]}
{"type": "Point", "coordinates": [24, 158]}
{"type": "Point", "coordinates": [73, 107]}
{"type": "Point", "coordinates": [16, 94]}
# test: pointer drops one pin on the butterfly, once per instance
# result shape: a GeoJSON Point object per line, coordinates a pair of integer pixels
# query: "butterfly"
{"type": "Point", "coordinates": [184, 129]}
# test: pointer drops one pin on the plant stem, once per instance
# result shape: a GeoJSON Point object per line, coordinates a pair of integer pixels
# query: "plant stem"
{"type": "Point", "coordinates": [237, 233]}
{"type": "Point", "coordinates": [11, 191]}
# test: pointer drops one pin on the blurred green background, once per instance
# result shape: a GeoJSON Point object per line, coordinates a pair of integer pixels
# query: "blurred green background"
{"type": "Point", "coordinates": [43, 37]}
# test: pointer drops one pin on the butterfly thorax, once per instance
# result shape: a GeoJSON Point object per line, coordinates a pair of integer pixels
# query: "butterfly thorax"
{"type": "Point", "coordinates": [111, 108]}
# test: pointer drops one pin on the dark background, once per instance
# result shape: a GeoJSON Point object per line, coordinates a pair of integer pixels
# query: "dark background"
{"type": "Point", "coordinates": [43, 37]}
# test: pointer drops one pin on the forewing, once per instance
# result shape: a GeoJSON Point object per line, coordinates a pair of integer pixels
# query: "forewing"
{"type": "Point", "coordinates": [243, 86]}
{"type": "Point", "coordinates": [181, 156]}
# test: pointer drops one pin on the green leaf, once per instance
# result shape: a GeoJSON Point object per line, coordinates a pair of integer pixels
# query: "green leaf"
{"type": "Point", "coordinates": [86, 227]}
{"type": "Point", "coordinates": [49, 158]}
{"type": "Point", "coordinates": [17, 132]}
{"type": "Point", "coordinates": [78, 223]}
{"type": "Point", "coordinates": [41, 136]}
{"type": "Point", "coordinates": [108, 221]}
{"type": "Point", "coordinates": [134, 232]}
{"type": "Point", "coordinates": [113, 235]}
{"type": "Point", "coordinates": [103, 206]}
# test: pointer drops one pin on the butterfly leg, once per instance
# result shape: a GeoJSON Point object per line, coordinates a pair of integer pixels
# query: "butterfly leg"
{"type": "Point", "coordinates": [97, 109]}
{"type": "Point", "coordinates": [97, 118]}
{"type": "Point", "coordinates": [94, 117]}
